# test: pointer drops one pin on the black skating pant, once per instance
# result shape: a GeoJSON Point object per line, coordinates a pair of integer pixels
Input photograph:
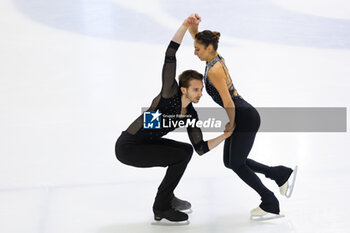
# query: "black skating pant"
{"type": "Point", "coordinates": [160, 152]}
{"type": "Point", "coordinates": [236, 151]}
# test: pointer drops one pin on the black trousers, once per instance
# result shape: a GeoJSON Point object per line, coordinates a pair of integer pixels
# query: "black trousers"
{"type": "Point", "coordinates": [238, 146]}
{"type": "Point", "coordinates": [160, 152]}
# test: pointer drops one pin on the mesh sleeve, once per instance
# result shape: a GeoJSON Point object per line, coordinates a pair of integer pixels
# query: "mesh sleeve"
{"type": "Point", "coordinates": [196, 136]}
{"type": "Point", "coordinates": [169, 84]}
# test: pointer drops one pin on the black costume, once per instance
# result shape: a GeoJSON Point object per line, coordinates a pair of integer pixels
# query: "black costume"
{"type": "Point", "coordinates": [239, 144]}
{"type": "Point", "coordinates": [141, 147]}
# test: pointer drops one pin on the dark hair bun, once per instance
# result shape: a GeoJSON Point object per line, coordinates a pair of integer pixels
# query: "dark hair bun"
{"type": "Point", "coordinates": [208, 37]}
{"type": "Point", "coordinates": [217, 35]}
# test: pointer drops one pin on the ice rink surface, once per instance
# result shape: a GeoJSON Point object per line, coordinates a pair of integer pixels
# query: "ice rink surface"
{"type": "Point", "coordinates": [75, 73]}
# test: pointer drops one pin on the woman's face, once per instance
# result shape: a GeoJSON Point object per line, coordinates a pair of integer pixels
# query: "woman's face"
{"type": "Point", "coordinates": [201, 52]}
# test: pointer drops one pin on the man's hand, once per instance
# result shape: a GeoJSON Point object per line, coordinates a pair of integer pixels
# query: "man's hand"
{"type": "Point", "coordinates": [197, 19]}
{"type": "Point", "coordinates": [229, 129]}
{"type": "Point", "coordinates": [193, 28]}
{"type": "Point", "coordinates": [191, 20]}
{"type": "Point", "coordinates": [227, 134]}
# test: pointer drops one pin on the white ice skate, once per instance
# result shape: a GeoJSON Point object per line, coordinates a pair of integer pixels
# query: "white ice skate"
{"type": "Point", "coordinates": [287, 188]}
{"type": "Point", "coordinates": [259, 214]}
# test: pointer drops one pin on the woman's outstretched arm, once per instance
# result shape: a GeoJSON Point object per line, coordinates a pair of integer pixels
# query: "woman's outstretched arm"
{"type": "Point", "coordinates": [193, 28]}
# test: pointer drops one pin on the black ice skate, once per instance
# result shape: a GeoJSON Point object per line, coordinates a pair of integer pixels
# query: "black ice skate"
{"type": "Point", "coordinates": [170, 217]}
{"type": "Point", "coordinates": [181, 205]}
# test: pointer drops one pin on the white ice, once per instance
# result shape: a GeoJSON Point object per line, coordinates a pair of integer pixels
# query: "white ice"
{"type": "Point", "coordinates": [75, 73]}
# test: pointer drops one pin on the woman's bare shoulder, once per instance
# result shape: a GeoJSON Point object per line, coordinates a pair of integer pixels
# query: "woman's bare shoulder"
{"type": "Point", "coordinates": [216, 69]}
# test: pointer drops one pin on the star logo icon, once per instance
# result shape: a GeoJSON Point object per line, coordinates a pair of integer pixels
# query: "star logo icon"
{"type": "Point", "coordinates": [156, 115]}
{"type": "Point", "coordinates": [151, 120]}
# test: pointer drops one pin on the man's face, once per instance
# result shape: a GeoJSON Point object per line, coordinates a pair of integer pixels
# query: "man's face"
{"type": "Point", "coordinates": [194, 91]}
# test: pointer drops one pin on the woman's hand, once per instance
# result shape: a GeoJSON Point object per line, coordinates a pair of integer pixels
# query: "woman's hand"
{"type": "Point", "coordinates": [229, 129]}
{"type": "Point", "coordinates": [191, 20]}
{"type": "Point", "coordinates": [193, 28]}
{"type": "Point", "coordinates": [212, 143]}
{"type": "Point", "coordinates": [197, 19]}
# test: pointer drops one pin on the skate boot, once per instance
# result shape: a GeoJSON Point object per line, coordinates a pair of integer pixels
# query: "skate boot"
{"type": "Point", "coordinates": [170, 217]}
{"type": "Point", "coordinates": [286, 188]}
{"type": "Point", "coordinates": [259, 214]}
{"type": "Point", "coordinates": [181, 205]}
{"type": "Point", "coordinates": [268, 209]}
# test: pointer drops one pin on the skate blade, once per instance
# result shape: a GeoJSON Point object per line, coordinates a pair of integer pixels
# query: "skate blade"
{"type": "Point", "coordinates": [188, 211]}
{"type": "Point", "coordinates": [165, 222]}
{"type": "Point", "coordinates": [292, 182]}
{"type": "Point", "coordinates": [266, 217]}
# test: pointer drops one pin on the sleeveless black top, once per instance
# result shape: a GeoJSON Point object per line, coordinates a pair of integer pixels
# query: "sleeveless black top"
{"type": "Point", "coordinates": [211, 90]}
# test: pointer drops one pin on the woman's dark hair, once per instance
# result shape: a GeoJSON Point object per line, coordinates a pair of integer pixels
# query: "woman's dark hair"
{"type": "Point", "coordinates": [187, 76]}
{"type": "Point", "coordinates": [208, 37]}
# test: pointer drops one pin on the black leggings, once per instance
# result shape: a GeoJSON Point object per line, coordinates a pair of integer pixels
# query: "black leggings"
{"type": "Point", "coordinates": [237, 148]}
{"type": "Point", "coordinates": [160, 152]}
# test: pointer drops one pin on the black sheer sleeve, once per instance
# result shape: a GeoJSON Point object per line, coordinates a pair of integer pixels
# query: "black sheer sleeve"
{"type": "Point", "coordinates": [169, 84]}
{"type": "Point", "coordinates": [195, 134]}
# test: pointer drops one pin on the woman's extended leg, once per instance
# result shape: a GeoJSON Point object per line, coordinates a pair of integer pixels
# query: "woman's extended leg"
{"type": "Point", "coordinates": [236, 150]}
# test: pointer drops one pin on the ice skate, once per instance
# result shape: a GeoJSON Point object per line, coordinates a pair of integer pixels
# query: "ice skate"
{"type": "Point", "coordinates": [170, 217]}
{"type": "Point", "coordinates": [268, 209]}
{"type": "Point", "coordinates": [259, 214]}
{"type": "Point", "coordinates": [287, 188]}
{"type": "Point", "coordinates": [181, 205]}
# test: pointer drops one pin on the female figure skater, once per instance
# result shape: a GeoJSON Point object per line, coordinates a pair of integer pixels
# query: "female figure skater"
{"type": "Point", "coordinates": [141, 147]}
{"type": "Point", "coordinates": [245, 121]}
